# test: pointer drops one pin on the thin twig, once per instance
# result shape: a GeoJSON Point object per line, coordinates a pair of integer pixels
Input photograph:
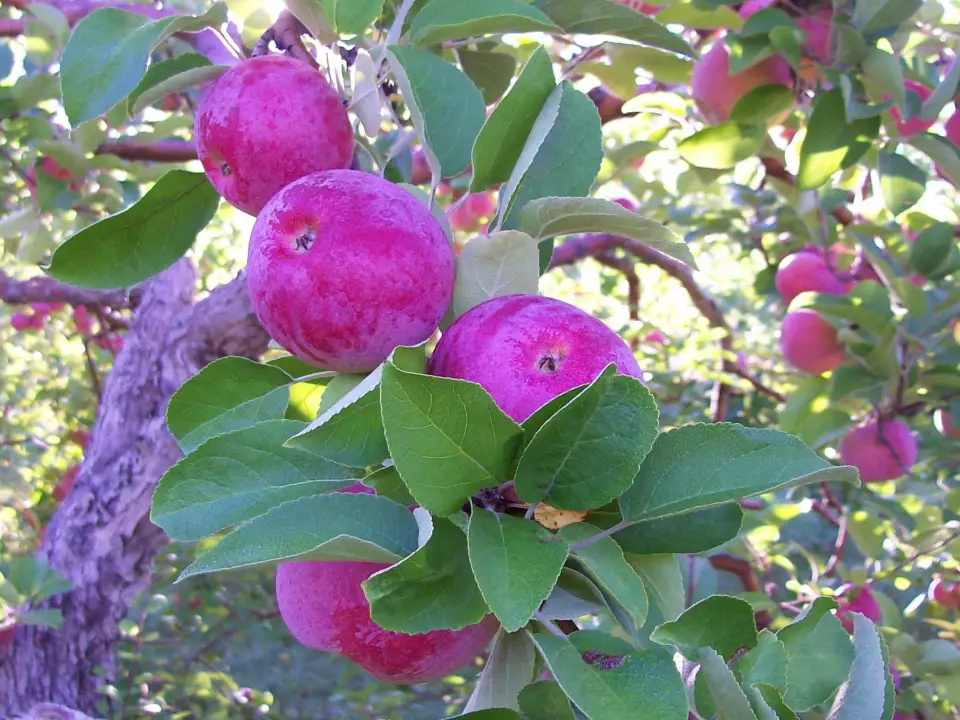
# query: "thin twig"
{"type": "Point", "coordinates": [92, 368]}
{"type": "Point", "coordinates": [622, 525]}
{"type": "Point", "coordinates": [548, 624]}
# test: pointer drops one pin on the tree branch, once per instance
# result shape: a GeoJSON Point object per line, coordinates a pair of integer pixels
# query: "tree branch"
{"type": "Point", "coordinates": [776, 169]}
{"type": "Point", "coordinates": [46, 289]}
{"type": "Point", "coordinates": [172, 151]}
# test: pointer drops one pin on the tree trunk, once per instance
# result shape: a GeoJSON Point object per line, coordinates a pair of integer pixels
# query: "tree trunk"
{"type": "Point", "coordinates": [101, 538]}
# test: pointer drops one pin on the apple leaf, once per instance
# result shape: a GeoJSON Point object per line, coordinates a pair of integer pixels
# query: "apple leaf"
{"type": "Point", "coordinates": [663, 581]}
{"type": "Point", "coordinates": [131, 246]}
{"type": "Point", "coordinates": [729, 699]}
{"type": "Point", "coordinates": [443, 20]}
{"type": "Point", "coordinates": [616, 418]}
{"type": "Point", "coordinates": [573, 596]}
{"type": "Point", "coordinates": [448, 439]}
{"type": "Point", "coordinates": [545, 700]}
{"type": "Point", "coordinates": [505, 132]}
{"type": "Point", "coordinates": [831, 143]}
{"type": "Point", "coordinates": [869, 690]}
{"type": "Point", "coordinates": [107, 54]}
{"type": "Point", "coordinates": [509, 668]}
{"type": "Point", "coordinates": [693, 532]}
{"type": "Point", "coordinates": [494, 265]}
{"type": "Point", "coordinates": [552, 216]}
{"type": "Point", "coordinates": [238, 476]}
{"type": "Point", "coordinates": [647, 680]}
{"type": "Point", "coordinates": [722, 146]}
{"type": "Point", "coordinates": [175, 83]}
{"type": "Point", "coordinates": [351, 17]}
{"type": "Point", "coordinates": [720, 622]}
{"type": "Point", "coordinates": [765, 664]}
{"type": "Point", "coordinates": [743, 462]}
{"type": "Point", "coordinates": [604, 561]}
{"type": "Point", "coordinates": [516, 563]}
{"type": "Point", "coordinates": [446, 107]}
{"type": "Point", "coordinates": [162, 71]}
{"type": "Point", "coordinates": [344, 527]}
{"type": "Point", "coordinates": [432, 589]}
{"type": "Point", "coordinates": [229, 394]}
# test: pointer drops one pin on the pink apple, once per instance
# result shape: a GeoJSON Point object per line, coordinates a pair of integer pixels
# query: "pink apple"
{"type": "Point", "coordinates": [82, 320]}
{"type": "Point", "coordinates": [21, 321]}
{"type": "Point", "coordinates": [344, 266]}
{"type": "Point", "coordinates": [881, 451]}
{"type": "Point", "coordinates": [752, 7]}
{"type": "Point", "coordinates": [816, 26]}
{"type": "Point", "coordinates": [716, 91]}
{"type": "Point", "coordinates": [809, 343]}
{"type": "Point", "coordinates": [66, 483]}
{"type": "Point", "coordinates": [323, 606]}
{"type": "Point", "coordinates": [655, 337]}
{"type": "Point", "coordinates": [857, 600]}
{"type": "Point", "coordinates": [526, 349]}
{"type": "Point", "coordinates": [640, 7]}
{"type": "Point", "coordinates": [626, 203]}
{"type": "Point", "coordinates": [808, 272]}
{"type": "Point", "coordinates": [944, 594]}
{"type": "Point", "coordinates": [952, 128]}
{"type": "Point", "coordinates": [916, 124]}
{"type": "Point", "coordinates": [267, 122]}
{"type": "Point", "coordinates": [472, 212]}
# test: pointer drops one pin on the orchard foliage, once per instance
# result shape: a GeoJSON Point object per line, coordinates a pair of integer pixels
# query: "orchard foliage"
{"type": "Point", "coordinates": [687, 515]}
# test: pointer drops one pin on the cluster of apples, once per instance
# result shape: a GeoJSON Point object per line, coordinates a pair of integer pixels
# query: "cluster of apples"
{"type": "Point", "coordinates": [883, 448]}
{"type": "Point", "coordinates": [34, 318]}
{"type": "Point", "coordinates": [343, 267]}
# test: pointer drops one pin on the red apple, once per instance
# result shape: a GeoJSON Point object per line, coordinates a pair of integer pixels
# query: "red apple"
{"type": "Point", "coordinates": [21, 321]}
{"type": "Point", "coordinates": [267, 122]}
{"type": "Point", "coordinates": [82, 320]}
{"type": "Point", "coordinates": [816, 26]}
{"type": "Point", "coordinates": [944, 425]}
{"type": "Point", "coordinates": [952, 128]}
{"type": "Point", "coordinates": [752, 7]}
{"type": "Point", "coordinates": [809, 343]}
{"type": "Point", "coordinates": [641, 7]}
{"type": "Point", "coordinates": [857, 600]}
{"type": "Point", "coordinates": [881, 451]}
{"type": "Point", "coordinates": [81, 437]}
{"type": "Point", "coordinates": [344, 266]}
{"type": "Point", "coordinates": [526, 349]}
{"type": "Point", "coordinates": [808, 272]}
{"type": "Point", "coordinates": [323, 606]}
{"type": "Point", "coordinates": [716, 91]}
{"type": "Point", "coordinates": [944, 594]}
{"type": "Point", "coordinates": [626, 203]}
{"type": "Point", "coordinates": [655, 337]}
{"type": "Point", "coordinates": [916, 124]}
{"type": "Point", "coordinates": [66, 483]}
{"type": "Point", "coordinates": [473, 212]}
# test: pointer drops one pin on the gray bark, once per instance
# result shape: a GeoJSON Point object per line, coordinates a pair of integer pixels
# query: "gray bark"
{"type": "Point", "coordinates": [101, 538]}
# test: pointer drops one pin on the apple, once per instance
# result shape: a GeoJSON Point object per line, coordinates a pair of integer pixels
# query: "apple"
{"type": "Point", "coordinates": [808, 272]}
{"type": "Point", "coordinates": [267, 122]}
{"type": "Point", "coordinates": [81, 437]}
{"type": "Point", "coordinates": [952, 129]}
{"type": "Point", "coordinates": [944, 594]}
{"type": "Point", "coordinates": [82, 320]}
{"type": "Point", "coordinates": [473, 212]}
{"type": "Point", "coordinates": [715, 91]}
{"type": "Point", "coordinates": [344, 266]}
{"type": "Point", "coordinates": [880, 450]}
{"type": "Point", "coordinates": [640, 7]}
{"type": "Point", "coordinates": [816, 27]}
{"type": "Point", "coordinates": [916, 124]}
{"type": "Point", "coordinates": [809, 343]}
{"type": "Point", "coordinates": [752, 7]}
{"type": "Point", "coordinates": [21, 321]}
{"type": "Point", "coordinates": [655, 337]}
{"type": "Point", "coordinates": [857, 600]}
{"type": "Point", "coordinates": [626, 203]}
{"type": "Point", "coordinates": [944, 425]}
{"type": "Point", "coordinates": [323, 606]}
{"type": "Point", "coordinates": [526, 349]}
{"type": "Point", "coordinates": [66, 483]}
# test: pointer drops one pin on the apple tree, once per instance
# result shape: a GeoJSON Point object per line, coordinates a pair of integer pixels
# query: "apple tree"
{"type": "Point", "coordinates": [613, 342]}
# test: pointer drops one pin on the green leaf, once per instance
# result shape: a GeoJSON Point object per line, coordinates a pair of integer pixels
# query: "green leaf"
{"type": "Point", "coordinates": [312, 14]}
{"type": "Point", "coordinates": [351, 17]}
{"type": "Point", "coordinates": [819, 654]}
{"type": "Point", "coordinates": [722, 146]}
{"type": "Point", "coordinates": [743, 462]}
{"type": "Point", "coordinates": [141, 241]}
{"type": "Point", "coordinates": [940, 150]}
{"type": "Point", "coordinates": [831, 143]}
{"type": "Point", "coordinates": [349, 429]}
{"type": "Point", "coordinates": [185, 80]}
{"type": "Point", "coordinates": [387, 483]}
{"type": "Point", "coordinates": [46, 618]}
{"type": "Point", "coordinates": [432, 589]}
{"type": "Point", "coordinates": [605, 563]}
{"type": "Point", "coordinates": [492, 714]}
{"type": "Point", "coordinates": [504, 134]}
{"type": "Point", "coordinates": [494, 265]}
{"type": "Point", "coordinates": [873, 15]}
{"type": "Point", "coordinates": [491, 72]}
{"type": "Point", "coordinates": [615, 418]}
{"type": "Point", "coordinates": [509, 668]}
{"type": "Point", "coordinates": [516, 563]}
{"type": "Point", "coordinates": [455, 20]}
{"type": "Point", "coordinates": [883, 71]}
{"type": "Point", "coordinates": [545, 700]}
{"type": "Point", "coordinates": [728, 697]}
{"type": "Point", "coordinates": [647, 680]}
{"type": "Point", "coordinates": [697, 14]}
{"type": "Point", "coordinates": [762, 104]}
{"type": "Point", "coordinates": [229, 394]}
{"type": "Point", "coordinates": [561, 156]}
{"type": "Point", "coordinates": [945, 92]}
{"type": "Point", "coordinates": [235, 477]}
{"type": "Point", "coordinates": [901, 182]}
{"type": "Point", "coordinates": [663, 581]}
{"type": "Point", "coordinates": [693, 532]}
{"type": "Point", "coordinates": [765, 664]}
{"type": "Point", "coordinates": [446, 107]}
{"type": "Point", "coordinates": [448, 439]}
{"type": "Point", "coordinates": [600, 17]}
{"type": "Point", "coordinates": [162, 71]}
{"type": "Point", "coordinates": [573, 596]}
{"type": "Point", "coordinates": [720, 622]}
{"type": "Point", "coordinates": [665, 67]}
{"type": "Point", "coordinates": [337, 526]}
{"type": "Point", "coordinates": [552, 216]}
{"type": "Point", "coordinates": [934, 252]}
{"type": "Point", "coordinates": [864, 694]}
{"type": "Point", "coordinates": [107, 53]}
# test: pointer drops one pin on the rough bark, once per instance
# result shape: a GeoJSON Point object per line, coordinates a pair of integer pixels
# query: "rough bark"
{"type": "Point", "coordinates": [101, 538]}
